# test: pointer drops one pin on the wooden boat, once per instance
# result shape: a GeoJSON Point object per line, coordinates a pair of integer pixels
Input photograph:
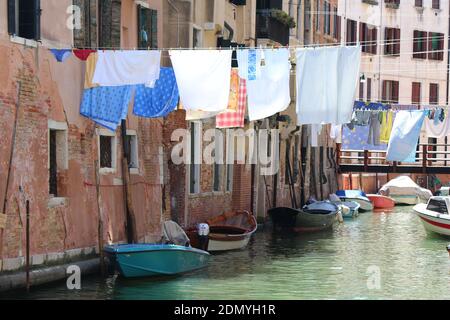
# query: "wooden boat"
{"type": "Point", "coordinates": [405, 191]}
{"type": "Point", "coordinates": [349, 209]}
{"type": "Point", "coordinates": [317, 216]}
{"type": "Point", "coordinates": [229, 231]}
{"type": "Point", "coordinates": [356, 196]}
{"type": "Point", "coordinates": [435, 215]}
{"type": "Point", "coordinates": [146, 260]}
{"type": "Point", "coordinates": [172, 256]}
{"type": "Point", "coordinates": [381, 202]}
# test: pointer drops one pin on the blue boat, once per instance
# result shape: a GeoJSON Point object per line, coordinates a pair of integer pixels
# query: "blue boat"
{"type": "Point", "coordinates": [146, 260]}
{"type": "Point", "coordinates": [356, 196]}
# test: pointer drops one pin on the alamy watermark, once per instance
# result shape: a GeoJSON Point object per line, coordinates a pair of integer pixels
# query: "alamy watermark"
{"type": "Point", "coordinates": [74, 279]}
{"type": "Point", "coordinates": [74, 20]}
{"type": "Point", "coordinates": [234, 146]}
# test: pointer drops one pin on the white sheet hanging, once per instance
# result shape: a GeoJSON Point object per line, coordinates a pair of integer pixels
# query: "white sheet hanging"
{"type": "Point", "coordinates": [327, 79]}
{"type": "Point", "coordinates": [270, 93]}
{"type": "Point", "coordinates": [441, 130]}
{"type": "Point", "coordinates": [203, 78]}
{"type": "Point", "coordinates": [129, 67]}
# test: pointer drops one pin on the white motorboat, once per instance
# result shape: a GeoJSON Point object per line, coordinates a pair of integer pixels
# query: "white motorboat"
{"type": "Point", "coordinates": [435, 215]}
{"type": "Point", "coordinates": [405, 191]}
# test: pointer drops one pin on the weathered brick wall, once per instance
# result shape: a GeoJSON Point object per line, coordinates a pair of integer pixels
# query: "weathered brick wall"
{"type": "Point", "coordinates": [73, 223]}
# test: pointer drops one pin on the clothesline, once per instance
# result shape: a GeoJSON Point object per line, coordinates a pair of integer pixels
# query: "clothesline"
{"type": "Point", "coordinates": [313, 45]}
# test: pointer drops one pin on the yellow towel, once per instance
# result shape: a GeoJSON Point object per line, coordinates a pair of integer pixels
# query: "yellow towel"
{"type": "Point", "coordinates": [91, 62]}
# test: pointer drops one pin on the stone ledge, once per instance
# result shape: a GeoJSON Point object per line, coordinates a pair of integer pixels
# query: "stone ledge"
{"type": "Point", "coordinates": [46, 275]}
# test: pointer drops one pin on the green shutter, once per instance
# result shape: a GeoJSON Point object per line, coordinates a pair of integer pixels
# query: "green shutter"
{"type": "Point", "coordinates": [154, 31]}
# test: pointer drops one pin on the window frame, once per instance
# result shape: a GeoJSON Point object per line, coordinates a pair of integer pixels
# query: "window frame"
{"type": "Point", "coordinates": [112, 135]}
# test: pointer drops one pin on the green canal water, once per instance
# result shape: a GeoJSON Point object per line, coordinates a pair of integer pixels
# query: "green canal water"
{"type": "Point", "coordinates": [341, 264]}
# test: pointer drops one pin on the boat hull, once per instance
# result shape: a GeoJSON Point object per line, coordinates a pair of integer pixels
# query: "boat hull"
{"type": "Point", "coordinates": [221, 245]}
{"type": "Point", "coordinates": [408, 200]}
{"type": "Point", "coordinates": [365, 204]}
{"type": "Point", "coordinates": [300, 221]}
{"type": "Point", "coordinates": [144, 260]}
{"type": "Point", "coordinates": [433, 222]}
{"type": "Point", "coordinates": [381, 202]}
{"type": "Point", "coordinates": [229, 231]}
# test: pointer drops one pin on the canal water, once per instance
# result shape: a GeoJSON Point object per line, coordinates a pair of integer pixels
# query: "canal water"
{"type": "Point", "coordinates": [380, 255]}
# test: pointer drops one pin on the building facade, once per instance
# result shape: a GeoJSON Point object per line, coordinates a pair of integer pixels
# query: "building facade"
{"type": "Point", "coordinates": [55, 158]}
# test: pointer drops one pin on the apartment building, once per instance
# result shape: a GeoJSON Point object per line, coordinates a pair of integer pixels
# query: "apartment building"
{"type": "Point", "coordinates": [404, 47]}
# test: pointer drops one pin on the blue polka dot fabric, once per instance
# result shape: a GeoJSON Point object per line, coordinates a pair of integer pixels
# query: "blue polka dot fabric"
{"type": "Point", "coordinates": [106, 106]}
{"type": "Point", "coordinates": [160, 100]}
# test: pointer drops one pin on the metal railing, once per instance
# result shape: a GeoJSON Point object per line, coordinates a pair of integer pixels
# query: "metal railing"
{"type": "Point", "coordinates": [430, 158]}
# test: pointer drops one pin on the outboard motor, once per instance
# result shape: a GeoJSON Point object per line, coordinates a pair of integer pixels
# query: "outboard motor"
{"type": "Point", "coordinates": [203, 236]}
{"type": "Point", "coordinates": [448, 249]}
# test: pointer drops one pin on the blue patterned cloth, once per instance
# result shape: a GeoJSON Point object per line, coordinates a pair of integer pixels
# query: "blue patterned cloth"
{"type": "Point", "coordinates": [252, 64]}
{"type": "Point", "coordinates": [61, 54]}
{"type": "Point", "coordinates": [158, 101]}
{"type": "Point", "coordinates": [357, 139]}
{"type": "Point", "coordinates": [106, 106]}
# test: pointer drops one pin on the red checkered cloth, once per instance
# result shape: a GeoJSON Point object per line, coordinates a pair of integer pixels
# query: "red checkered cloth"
{"type": "Point", "coordinates": [234, 119]}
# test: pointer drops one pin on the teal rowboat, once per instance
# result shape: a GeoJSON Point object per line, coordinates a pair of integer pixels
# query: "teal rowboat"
{"type": "Point", "coordinates": [146, 260]}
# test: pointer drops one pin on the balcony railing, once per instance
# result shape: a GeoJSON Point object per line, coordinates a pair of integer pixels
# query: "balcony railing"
{"type": "Point", "coordinates": [267, 27]}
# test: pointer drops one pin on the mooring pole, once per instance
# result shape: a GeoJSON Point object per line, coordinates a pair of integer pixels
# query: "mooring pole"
{"type": "Point", "coordinates": [27, 265]}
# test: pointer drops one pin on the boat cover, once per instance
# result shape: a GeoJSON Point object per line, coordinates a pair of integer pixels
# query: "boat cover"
{"type": "Point", "coordinates": [405, 186]}
{"type": "Point", "coordinates": [350, 194]}
{"type": "Point", "coordinates": [174, 234]}
{"type": "Point", "coordinates": [321, 206]}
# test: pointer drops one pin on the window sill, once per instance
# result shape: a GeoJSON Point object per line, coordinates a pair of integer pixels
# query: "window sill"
{"type": "Point", "coordinates": [107, 171]}
{"type": "Point", "coordinates": [57, 202]}
{"type": "Point", "coordinates": [134, 171]}
{"type": "Point", "coordinates": [23, 41]}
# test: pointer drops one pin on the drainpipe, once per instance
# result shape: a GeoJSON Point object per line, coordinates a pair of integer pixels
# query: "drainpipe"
{"type": "Point", "coordinates": [178, 20]}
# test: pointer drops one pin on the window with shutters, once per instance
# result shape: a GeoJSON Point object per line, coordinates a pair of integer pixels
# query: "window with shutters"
{"type": "Point", "coordinates": [24, 19]}
{"type": "Point", "coordinates": [420, 44]}
{"type": "Point", "coordinates": [434, 93]}
{"type": "Point", "coordinates": [147, 27]}
{"type": "Point", "coordinates": [392, 41]}
{"type": "Point", "coordinates": [327, 18]}
{"type": "Point", "coordinates": [390, 91]}
{"type": "Point", "coordinates": [86, 36]}
{"type": "Point", "coordinates": [110, 23]}
{"type": "Point", "coordinates": [352, 32]}
{"type": "Point", "coordinates": [436, 4]}
{"type": "Point", "coordinates": [337, 25]}
{"type": "Point", "coordinates": [368, 38]}
{"type": "Point", "coordinates": [416, 94]}
{"type": "Point", "coordinates": [436, 46]}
